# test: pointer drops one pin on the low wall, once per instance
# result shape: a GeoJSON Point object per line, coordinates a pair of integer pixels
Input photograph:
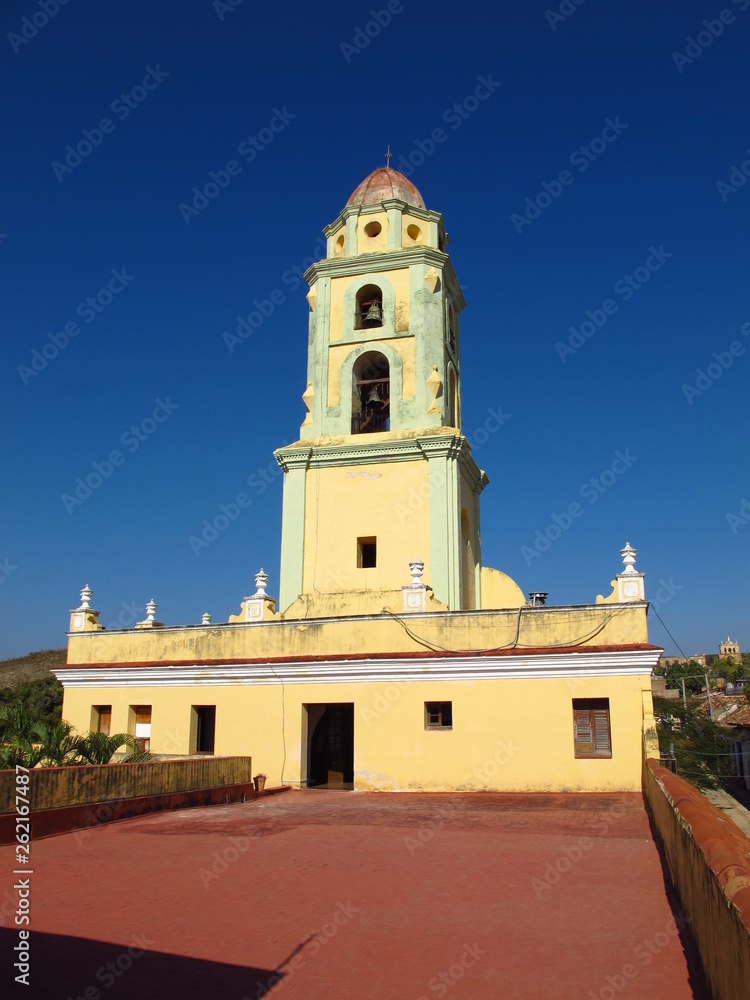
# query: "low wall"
{"type": "Point", "coordinates": [58, 787]}
{"type": "Point", "coordinates": [709, 860]}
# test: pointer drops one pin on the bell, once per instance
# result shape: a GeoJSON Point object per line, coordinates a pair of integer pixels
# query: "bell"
{"type": "Point", "coordinates": [374, 396]}
{"type": "Point", "coordinates": [374, 315]}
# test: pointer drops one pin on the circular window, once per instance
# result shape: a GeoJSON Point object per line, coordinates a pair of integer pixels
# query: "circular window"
{"type": "Point", "coordinates": [414, 232]}
{"type": "Point", "coordinates": [373, 229]}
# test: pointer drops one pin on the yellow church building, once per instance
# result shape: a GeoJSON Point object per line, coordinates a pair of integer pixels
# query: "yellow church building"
{"type": "Point", "coordinates": [393, 658]}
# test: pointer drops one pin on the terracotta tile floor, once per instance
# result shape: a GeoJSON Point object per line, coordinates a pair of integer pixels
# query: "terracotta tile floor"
{"type": "Point", "coordinates": [331, 894]}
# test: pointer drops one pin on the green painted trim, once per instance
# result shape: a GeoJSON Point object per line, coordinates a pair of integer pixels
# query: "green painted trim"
{"type": "Point", "coordinates": [292, 533]}
{"type": "Point", "coordinates": [388, 260]}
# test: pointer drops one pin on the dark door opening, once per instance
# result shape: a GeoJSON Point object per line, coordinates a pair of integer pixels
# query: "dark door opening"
{"type": "Point", "coordinates": [331, 754]}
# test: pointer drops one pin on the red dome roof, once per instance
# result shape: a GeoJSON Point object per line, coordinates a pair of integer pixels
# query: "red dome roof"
{"type": "Point", "coordinates": [386, 183]}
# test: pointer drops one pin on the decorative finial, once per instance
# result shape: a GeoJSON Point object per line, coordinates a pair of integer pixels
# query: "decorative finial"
{"type": "Point", "coordinates": [151, 612]}
{"type": "Point", "coordinates": [388, 155]}
{"type": "Point", "coordinates": [261, 582]}
{"type": "Point", "coordinates": [205, 618]}
{"type": "Point", "coordinates": [86, 595]}
{"type": "Point", "coordinates": [416, 568]}
{"type": "Point", "coordinates": [628, 558]}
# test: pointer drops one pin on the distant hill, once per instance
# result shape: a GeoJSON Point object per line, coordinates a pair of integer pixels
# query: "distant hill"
{"type": "Point", "coordinates": [33, 667]}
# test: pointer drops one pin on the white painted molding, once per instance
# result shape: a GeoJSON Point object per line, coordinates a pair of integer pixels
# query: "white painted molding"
{"type": "Point", "coordinates": [393, 669]}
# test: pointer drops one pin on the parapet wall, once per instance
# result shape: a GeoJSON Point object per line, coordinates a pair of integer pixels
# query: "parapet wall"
{"type": "Point", "coordinates": [709, 860]}
{"type": "Point", "coordinates": [57, 787]}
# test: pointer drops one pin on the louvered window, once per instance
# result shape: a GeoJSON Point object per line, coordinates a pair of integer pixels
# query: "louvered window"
{"type": "Point", "coordinates": [591, 730]}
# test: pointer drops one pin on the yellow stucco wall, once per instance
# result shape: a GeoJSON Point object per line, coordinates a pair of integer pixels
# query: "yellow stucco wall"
{"type": "Point", "coordinates": [365, 499]}
{"type": "Point", "coordinates": [369, 244]}
{"type": "Point", "coordinates": [409, 221]}
{"type": "Point", "coordinates": [511, 735]}
{"type": "Point", "coordinates": [600, 625]}
{"type": "Point", "coordinates": [337, 355]}
{"type": "Point", "coordinates": [398, 277]}
{"type": "Point", "coordinates": [499, 590]}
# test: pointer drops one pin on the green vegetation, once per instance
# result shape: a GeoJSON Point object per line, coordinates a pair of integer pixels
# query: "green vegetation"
{"type": "Point", "coordinates": [32, 730]}
{"type": "Point", "coordinates": [26, 741]}
{"type": "Point", "coordinates": [701, 748]}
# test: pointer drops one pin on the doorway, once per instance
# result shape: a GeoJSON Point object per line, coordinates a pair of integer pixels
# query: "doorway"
{"type": "Point", "coordinates": [330, 750]}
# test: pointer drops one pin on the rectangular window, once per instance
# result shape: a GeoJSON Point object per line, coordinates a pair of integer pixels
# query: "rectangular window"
{"type": "Point", "coordinates": [438, 715]}
{"type": "Point", "coordinates": [591, 730]}
{"type": "Point", "coordinates": [367, 549]}
{"type": "Point", "coordinates": [140, 716]}
{"type": "Point", "coordinates": [204, 721]}
{"type": "Point", "coordinates": [101, 719]}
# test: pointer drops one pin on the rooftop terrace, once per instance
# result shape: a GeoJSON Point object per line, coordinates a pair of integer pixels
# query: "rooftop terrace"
{"type": "Point", "coordinates": [321, 894]}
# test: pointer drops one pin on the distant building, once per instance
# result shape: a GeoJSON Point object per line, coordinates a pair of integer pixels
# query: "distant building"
{"type": "Point", "coordinates": [699, 658]}
{"type": "Point", "coordinates": [730, 650]}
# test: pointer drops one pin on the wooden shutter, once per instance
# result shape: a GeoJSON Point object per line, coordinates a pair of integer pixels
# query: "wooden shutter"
{"type": "Point", "coordinates": [591, 729]}
{"type": "Point", "coordinates": [105, 719]}
{"type": "Point", "coordinates": [584, 735]}
{"type": "Point", "coordinates": [602, 742]}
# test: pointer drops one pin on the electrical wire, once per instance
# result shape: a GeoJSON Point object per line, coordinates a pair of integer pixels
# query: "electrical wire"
{"type": "Point", "coordinates": [652, 608]}
{"type": "Point", "coordinates": [515, 644]}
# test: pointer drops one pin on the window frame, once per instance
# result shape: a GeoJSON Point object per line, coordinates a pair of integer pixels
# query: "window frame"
{"type": "Point", "coordinates": [592, 716]}
{"type": "Point", "coordinates": [442, 709]}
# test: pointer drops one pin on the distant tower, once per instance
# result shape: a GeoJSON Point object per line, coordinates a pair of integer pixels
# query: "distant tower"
{"type": "Point", "coordinates": [381, 474]}
{"type": "Point", "coordinates": [730, 650]}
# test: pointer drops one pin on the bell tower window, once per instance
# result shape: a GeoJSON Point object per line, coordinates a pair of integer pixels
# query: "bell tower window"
{"type": "Point", "coordinates": [369, 308]}
{"type": "Point", "coordinates": [371, 394]}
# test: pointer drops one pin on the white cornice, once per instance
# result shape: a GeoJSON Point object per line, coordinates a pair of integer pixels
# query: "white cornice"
{"type": "Point", "coordinates": [619, 663]}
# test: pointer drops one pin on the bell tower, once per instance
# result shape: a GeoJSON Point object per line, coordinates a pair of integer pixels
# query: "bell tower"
{"type": "Point", "coordinates": [381, 474]}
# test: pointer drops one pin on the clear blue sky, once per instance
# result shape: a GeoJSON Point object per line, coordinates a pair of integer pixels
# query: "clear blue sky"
{"type": "Point", "coordinates": [183, 87]}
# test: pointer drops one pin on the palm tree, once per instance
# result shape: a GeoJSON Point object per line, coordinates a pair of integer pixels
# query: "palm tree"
{"type": "Point", "coordinates": [17, 737]}
{"type": "Point", "coordinates": [98, 748]}
{"type": "Point", "coordinates": [60, 747]}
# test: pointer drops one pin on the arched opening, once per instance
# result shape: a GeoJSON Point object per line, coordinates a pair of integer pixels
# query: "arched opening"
{"type": "Point", "coordinates": [371, 394]}
{"type": "Point", "coordinates": [451, 328]}
{"type": "Point", "coordinates": [468, 569]}
{"type": "Point", "coordinates": [369, 309]}
{"type": "Point", "coordinates": [338, 249]}
{"type": "Point", "coordinates": [452, 401]}
{"type": "Point", "coordinates": [331, 761]}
